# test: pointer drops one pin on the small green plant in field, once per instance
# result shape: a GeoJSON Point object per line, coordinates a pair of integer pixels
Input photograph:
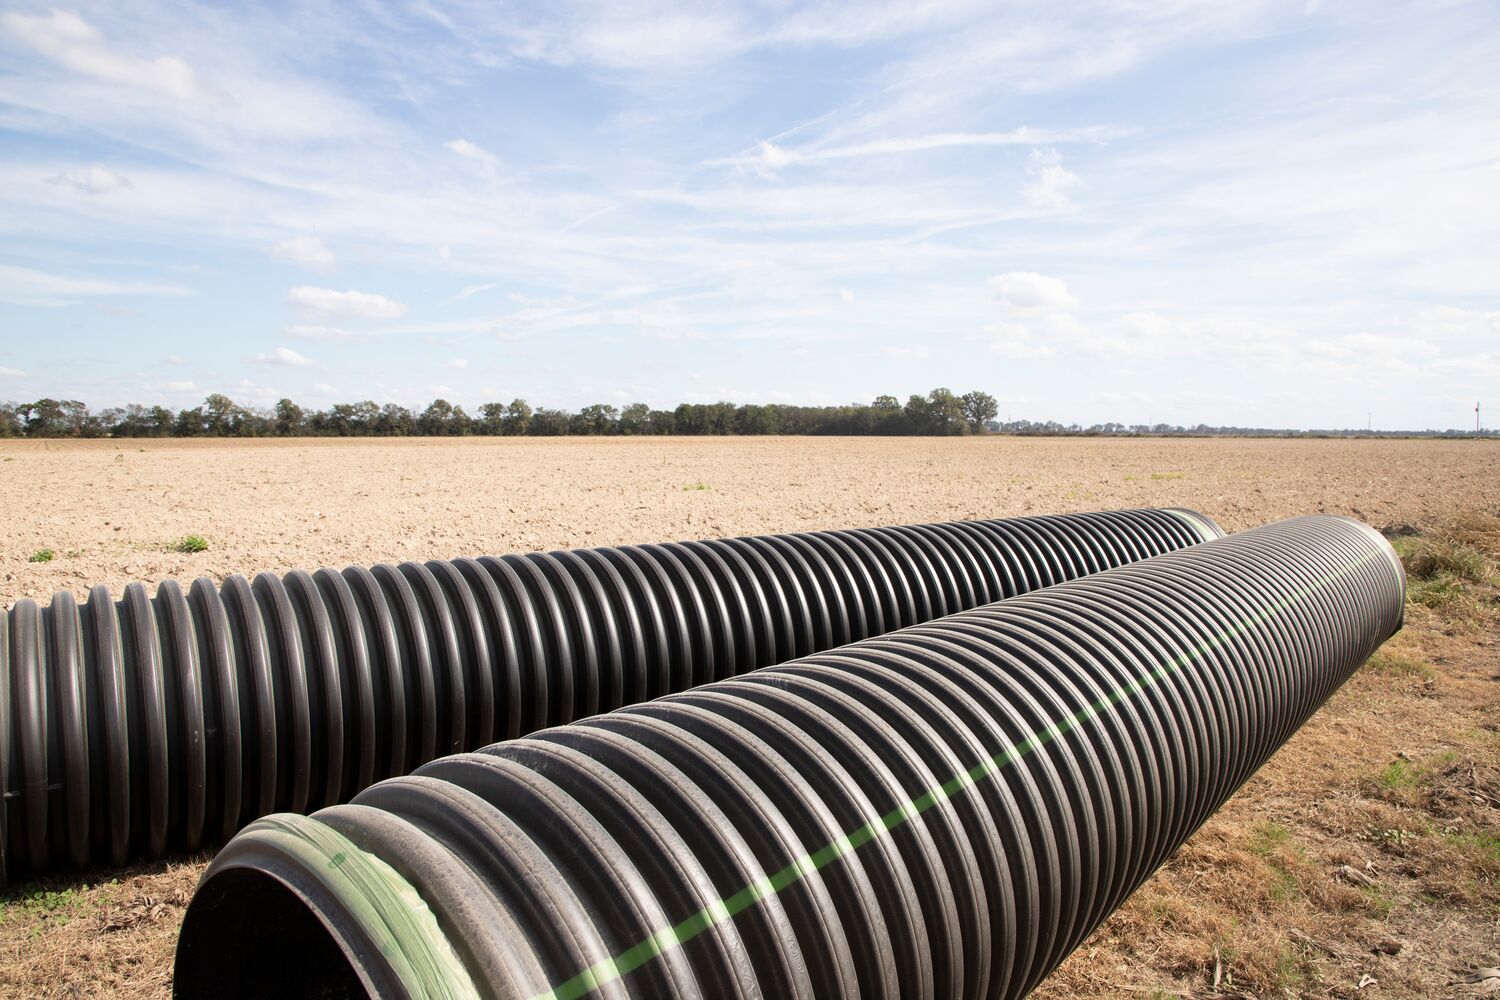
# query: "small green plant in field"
{"type": "Point", "coordinates": [1398, 776]}
{"type": "Point", "coordinates": [1484, 846]}
{"type": "Point", "coordinates": [190, 543]}
{"type": "Point", "coordinates": [1131, 477]}
{"type": "Point", "coordinates": [1440, 571]}
{"type": "Point", "coordinates": [692, 487]}
{"type": "Point", "coordinates": [1268, 837]}
{"type": "Point", "coordinates": [48, 906]}
{"type": "Point", "coordinates": [1440, 593]}
{"type": "Point", "coordinates": [1169, 475]}
{"type": "Point", "coordinates": [1290, 969]}
{"type": "Point", "coordinates": [1395, 665]}
{"type": "Point", "coordinates": [1432, 560]}
{"type": "Point", "coordinates": [42, 555]}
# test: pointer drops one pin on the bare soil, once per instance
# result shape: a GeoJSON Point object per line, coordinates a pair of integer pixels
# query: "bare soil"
{"type": "Point", "coordinates": [1366, 850]}
{"type": "Point", "coordinates": [110, 510]}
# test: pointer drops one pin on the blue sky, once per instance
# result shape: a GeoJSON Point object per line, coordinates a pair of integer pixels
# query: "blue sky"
{"type": "Point", "coordinates": [1252, 213]}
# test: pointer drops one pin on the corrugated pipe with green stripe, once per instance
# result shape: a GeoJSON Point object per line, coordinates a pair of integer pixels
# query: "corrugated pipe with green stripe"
{"type": "Point", "coordinates": [946, 811]}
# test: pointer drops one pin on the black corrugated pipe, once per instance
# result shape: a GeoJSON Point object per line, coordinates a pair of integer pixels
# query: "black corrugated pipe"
{"type": "Point", "coordinates": [153, 724]}
{"type": "Point", "coordinates": [943, 812]}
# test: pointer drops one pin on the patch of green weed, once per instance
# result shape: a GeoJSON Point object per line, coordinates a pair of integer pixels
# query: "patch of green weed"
{"type": "Point", "coordinates": [190, 543]}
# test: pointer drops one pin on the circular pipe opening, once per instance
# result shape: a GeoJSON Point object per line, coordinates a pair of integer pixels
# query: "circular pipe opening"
{"type": "Point", "coordinates": [249, 935]}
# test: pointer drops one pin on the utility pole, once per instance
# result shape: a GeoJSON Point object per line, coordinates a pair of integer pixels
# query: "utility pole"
{"type": "Point", "coordinates": [1369, 421]}
{"type": "Point", "coordinates": [1477, 431]}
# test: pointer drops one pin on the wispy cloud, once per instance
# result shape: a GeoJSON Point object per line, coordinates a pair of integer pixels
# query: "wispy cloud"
{"type": "Point", "coordinates": [313, 332]}
{"type": "Point", "coordinates": [91, 180]}
{"type": "Point", "coordinates": [79, 46]}
{"type": "Point", "coordinates": [768, 156]}
{"type": "Point", "coordinates": [367, 305]}
{"type": "Point", "coordinates": [284, 357]}
{"type": "Point", "coordinates": [1049, 181]}
{"type": "Point", "coordinates": [1030, 290]}
{"type": "Point", "coordinates": [25, 286]}
{"type": "Point", "coordinates": [469, 151]}
{"type": "Point", "coordinates": [469, 291]}
{"type": "Point", "coordinates": [308, 251]}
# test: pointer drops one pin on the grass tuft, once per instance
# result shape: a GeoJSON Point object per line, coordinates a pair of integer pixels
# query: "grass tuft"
{"type": "Point", "coordinates": [1434, 560]}
{"type": "Point", "coordinates": [692, 487]}
{"type": "Point", "coordinates": [190, 543]}
{"type": "Point", "coordinates": [1399, 776]}
{"type": "Point", "coordinates": [42, 555]}
{"type": "Point", "coordinates": [1169, 475]}
{"type": "Point", "coordinates": [1389, 664]}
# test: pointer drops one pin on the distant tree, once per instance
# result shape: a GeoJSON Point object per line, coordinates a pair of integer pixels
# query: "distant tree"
{"type": "Point", "coordinates": [491, 419]}
{"type": "Point", "coordinates": [979, 409]}
{"type": "Point", "coordinates": [599, 418]}
{"type": "Point", "coordinates": [43, 418]}
{"type": "Point", "coordinates": [437, 419]}
{"type": "Point", "coordinates": [11, 424]}
{"type": "Point", "coordinates": [394, 421]}
{"type": "Point", "coordinates": [718, 418]}
{"type": "Point", "coordinates": [945, 413]}
{"type": "Point", "coordinates": [634, 419]}
{"type": "Point", "coordinates": [289, 420]}
{"type": "Point", "coordinates": [189, 423]}
{"type": "Point", "coordinates": [752, 419]}
{"type": "Point", "coordinates": [549, 423]}
{"type": "Point", "coordinates": [661, 422]}
{"type": "Point", "coordinates": [517, 417]}
{"type": "Point", "coordinates": [917, 415]}
{"type": "Point", "coordinates": [690, 418]}
{"type": "Point", "coordinates": [163, 421]}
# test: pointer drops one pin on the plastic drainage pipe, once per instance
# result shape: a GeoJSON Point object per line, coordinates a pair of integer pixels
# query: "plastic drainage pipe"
{"type": "Point", "coordinates": [133, 728]}
{"type": "Point", "coordinates": [943, 812]}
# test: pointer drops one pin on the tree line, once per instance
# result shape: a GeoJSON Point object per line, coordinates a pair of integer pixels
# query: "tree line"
{"type": "Point", "coordinates": [940, 412]}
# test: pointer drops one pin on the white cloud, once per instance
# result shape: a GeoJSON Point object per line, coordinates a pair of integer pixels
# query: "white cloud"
{"type": "Point", "coordinates": [308, 251]}
{"type": "Point", "coordinates": [1030, 290]}
{"type": "Point", "coordinates": [468, 291]}
{"type": "Point", "coordinates": [1479, 366]}
{"type": "Point", "coordinates": [11, 372]}
{"type": "Point", "coordinates": [768, 156]}
{"type": "Point", "coordinates": [1398, 355]}
{"type": "Point", "coordinates": [246, 389]}
{"type": "Point", "coordinates": [318, 332]}
{"type": "Point", "coordinates": [1049, 182]}
{"type": "Point", "coordinates": [846, 295]}
{"type": "Point", "coordinates": [1446, 322]}
{"type": "Point", "coordinates": [94, 180]}
{"type": "Point", "coordinates": [1017, 343]}
{"type": "Point", "coordinates": [907, 353]}
{"type": "Point", "coordinates": [74, 43]}
{"type": "Point", "coordinates": [351, 303]}
{"type": "Point", "coordinates": [180, 386]}
{"type": "Point", "coordinates": [323, 389]}
{"type": "Point", "coordinates": [457, 363]}
{"type": "Point", "coordinates": [283, 356]}
{"type": "Point", "coordinates": [469, 151]}
{"type": "Point", "coordinates": [24, 286]}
